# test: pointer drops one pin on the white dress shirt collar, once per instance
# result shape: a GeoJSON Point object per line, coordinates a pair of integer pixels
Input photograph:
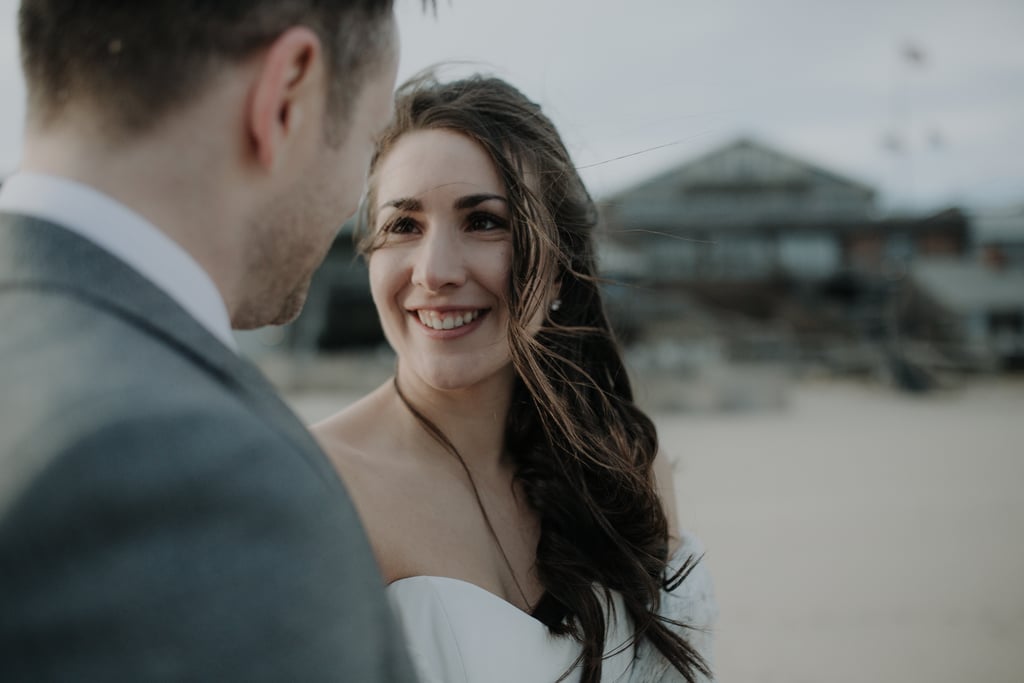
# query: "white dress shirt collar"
{"type": "Point", "coordinates": [125, 234]}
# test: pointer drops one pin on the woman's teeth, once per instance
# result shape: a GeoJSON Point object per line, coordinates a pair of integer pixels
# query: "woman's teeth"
{"type": "Point", "coordinates": [447, 321]}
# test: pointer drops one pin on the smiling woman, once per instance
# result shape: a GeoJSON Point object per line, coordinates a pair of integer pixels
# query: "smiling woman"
{"type": "Point", "coordinates": [511, 488]}
{"type": "Point", "coordinates": [440, 265]}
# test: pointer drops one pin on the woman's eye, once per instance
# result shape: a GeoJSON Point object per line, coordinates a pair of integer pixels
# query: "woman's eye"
{"type": "Point", "coordinates": [400, 226]}
{"type": "Point", "coordinates": [485, 222]}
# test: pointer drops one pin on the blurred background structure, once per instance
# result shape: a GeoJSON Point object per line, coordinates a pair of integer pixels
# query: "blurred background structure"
{"type": "Point", "coordinates": [813, 242]}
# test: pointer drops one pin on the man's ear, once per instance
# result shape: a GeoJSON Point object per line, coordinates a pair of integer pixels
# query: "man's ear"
{"type": "Point", "coordinates": [284, 93]}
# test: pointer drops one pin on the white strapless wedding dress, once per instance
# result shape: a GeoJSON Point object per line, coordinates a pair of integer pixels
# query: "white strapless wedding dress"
{"type": "Point", "coordinates": [458, 632]}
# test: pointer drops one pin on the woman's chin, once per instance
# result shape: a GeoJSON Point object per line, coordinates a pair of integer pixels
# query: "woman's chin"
{"type": "Point", "coordinates": [455, 378]}
{"type": "Point", "coordinates": [451, 382]}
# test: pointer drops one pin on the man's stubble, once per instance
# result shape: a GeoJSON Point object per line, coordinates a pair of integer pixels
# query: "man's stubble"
{"type": "Point", "coordinates": [282, 257]}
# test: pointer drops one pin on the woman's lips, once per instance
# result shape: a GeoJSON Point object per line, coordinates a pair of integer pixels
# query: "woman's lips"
{"type": "Point", "coordinates": [449, 322]}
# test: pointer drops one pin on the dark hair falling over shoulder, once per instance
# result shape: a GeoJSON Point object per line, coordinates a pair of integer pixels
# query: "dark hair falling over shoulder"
{"type": "Point", "coordinates": [584, 451]}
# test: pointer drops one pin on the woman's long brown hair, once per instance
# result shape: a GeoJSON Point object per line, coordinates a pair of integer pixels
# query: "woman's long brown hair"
{"type": "Point", "coordinates": [583, 450]}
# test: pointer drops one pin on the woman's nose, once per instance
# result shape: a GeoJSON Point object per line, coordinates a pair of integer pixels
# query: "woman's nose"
{"type": "Point", "coordinates": [439, 262]}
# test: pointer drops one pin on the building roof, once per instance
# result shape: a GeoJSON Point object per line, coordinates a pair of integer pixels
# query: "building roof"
{"type": "Point", "coordinates": [969, 287]}
{"type": "Point", "coordinates": [745, 161]}
{"type": "Point", "coordinates": [743, 183]}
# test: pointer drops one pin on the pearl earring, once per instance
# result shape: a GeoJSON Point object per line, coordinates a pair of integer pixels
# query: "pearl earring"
{"type": "Point", "coordinates": [556, 304]}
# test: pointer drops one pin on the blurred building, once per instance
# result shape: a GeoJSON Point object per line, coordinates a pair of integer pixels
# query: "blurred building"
{"type": "Point", "coordinates": [976, 305]}
{"type": "Point", "coordinates": [970, 309]}
{"type": "Point", "coordinates": [999, 238]}
{"type": "Point", "coordinates": [748, 213]}
{"type": "Point", "coordinates": [776, 258]}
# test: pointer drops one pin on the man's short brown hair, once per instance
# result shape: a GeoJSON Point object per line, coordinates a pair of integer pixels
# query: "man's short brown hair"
{"type": "Point", "coordinates": [137, 60]}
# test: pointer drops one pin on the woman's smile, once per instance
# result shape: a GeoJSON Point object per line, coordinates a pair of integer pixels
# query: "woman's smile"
{"type": "Point", "coordinates": [448, 323]}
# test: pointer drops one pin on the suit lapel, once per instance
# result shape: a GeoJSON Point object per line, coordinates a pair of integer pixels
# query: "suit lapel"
{"type": "Point", "coordinates": [36, 254]}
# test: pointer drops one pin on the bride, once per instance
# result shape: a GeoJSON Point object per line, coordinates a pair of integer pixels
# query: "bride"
{"type": "Point", "coordinates": [514, 494]}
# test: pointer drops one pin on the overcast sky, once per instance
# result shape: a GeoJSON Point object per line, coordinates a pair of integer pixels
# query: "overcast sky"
{"type": "Point", "coordinates": [825, 80]}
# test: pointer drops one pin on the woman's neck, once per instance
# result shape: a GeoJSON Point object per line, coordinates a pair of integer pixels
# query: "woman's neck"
{"type": "Point", "coordinates": [473, 419]}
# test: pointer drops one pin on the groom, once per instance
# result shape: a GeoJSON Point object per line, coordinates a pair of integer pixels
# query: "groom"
{"type": "Point", "coordinates": [163, 515]}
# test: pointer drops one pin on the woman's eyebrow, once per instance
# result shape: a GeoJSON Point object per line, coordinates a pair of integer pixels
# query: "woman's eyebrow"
{"type": "Point", "coordinates": [471, 200]}
{"type": "Point", "coordinates": [404, 204]}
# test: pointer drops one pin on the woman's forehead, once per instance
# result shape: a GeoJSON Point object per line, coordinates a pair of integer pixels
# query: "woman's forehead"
{"type": "Point", "coordinates": [435, 163]}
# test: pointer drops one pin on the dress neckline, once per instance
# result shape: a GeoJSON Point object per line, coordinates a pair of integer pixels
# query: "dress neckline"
{"type": "Point", "coordinates": [494, 597]}
{"type": "Point", "coordinates": [450, 624]}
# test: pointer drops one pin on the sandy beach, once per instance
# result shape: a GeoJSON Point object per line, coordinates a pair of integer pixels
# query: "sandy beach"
{"type": "Point", "coordinates": [858, 534]}
{"type": "Point", "coordinates": [863, 535]}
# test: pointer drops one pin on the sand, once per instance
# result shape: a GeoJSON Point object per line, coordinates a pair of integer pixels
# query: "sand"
{"type": "Point", "coordinates": [859, 534]}
{"type": "Point", "coordinates": [862, 535]}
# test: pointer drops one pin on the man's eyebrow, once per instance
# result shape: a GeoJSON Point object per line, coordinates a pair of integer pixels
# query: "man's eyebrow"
{"type": "Point", "coordinates": [471, 200]}
{"type": "Point", "coordinates": [404, 204]}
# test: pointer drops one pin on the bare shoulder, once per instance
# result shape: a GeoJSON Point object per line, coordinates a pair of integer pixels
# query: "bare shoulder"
{"type": "Point", "coordinates": [348, 434]}
{"type": "Point", "coordinates": [359, 442]}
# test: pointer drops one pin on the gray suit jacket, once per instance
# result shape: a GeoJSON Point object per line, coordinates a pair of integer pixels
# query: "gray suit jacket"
{"type": "Point", "coordinates": [163, 515]}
